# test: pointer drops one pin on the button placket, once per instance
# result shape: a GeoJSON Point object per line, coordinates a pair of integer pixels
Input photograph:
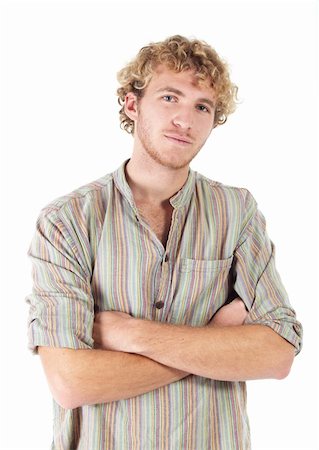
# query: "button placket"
{"type": "Point", "coordinates": [163, 288]}
{"type": "Point", "coordinates": [164, 293]}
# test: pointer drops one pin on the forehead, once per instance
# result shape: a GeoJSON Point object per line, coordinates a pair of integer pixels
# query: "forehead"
{"type": "Point", "coordinates": [185, 81]}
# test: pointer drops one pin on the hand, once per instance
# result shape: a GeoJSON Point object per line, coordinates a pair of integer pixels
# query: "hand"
{"type": "Point", "coordinates": [110, 330]}
{"type": "Point", "coordinates": [232, 314]}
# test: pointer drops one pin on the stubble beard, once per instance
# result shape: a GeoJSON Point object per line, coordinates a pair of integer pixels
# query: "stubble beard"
{"type": "Point", "coordinates": [144, 134]}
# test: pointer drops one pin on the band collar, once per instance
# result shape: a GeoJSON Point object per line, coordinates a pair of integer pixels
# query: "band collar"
{"type": "Point", "coordinates": [180, 199]}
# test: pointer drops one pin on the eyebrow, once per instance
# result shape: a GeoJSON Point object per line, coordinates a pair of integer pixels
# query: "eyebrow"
{"type": "Point", "coordinates": [178, 92]}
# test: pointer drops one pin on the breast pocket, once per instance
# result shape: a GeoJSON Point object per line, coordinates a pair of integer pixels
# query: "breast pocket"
{"type": "Point", "coordinates": [201, 288]}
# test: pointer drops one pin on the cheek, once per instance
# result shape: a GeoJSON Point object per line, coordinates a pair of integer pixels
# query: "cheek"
{"type": "Point", "coordinates": [155, 117]}
{"type": "Point", "coordinates": [206, 129]}
{"type": "Point", "coordinates": [164, 115]}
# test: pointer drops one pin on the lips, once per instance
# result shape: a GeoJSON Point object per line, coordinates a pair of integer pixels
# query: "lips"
{"type": "Point", "coordinates": [178, 139]}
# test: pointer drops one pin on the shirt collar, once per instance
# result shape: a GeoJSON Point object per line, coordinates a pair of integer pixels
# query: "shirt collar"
{"type": "Point", "coordinates": [178, 200]}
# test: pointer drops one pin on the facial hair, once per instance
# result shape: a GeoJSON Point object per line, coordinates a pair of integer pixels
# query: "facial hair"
{"type": "Point", "coordinates": [143, 130]}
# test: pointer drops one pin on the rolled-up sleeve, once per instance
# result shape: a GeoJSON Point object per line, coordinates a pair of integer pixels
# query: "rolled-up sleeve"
{"type": "Point", "coordinates": [257, 281]}
{"type": "Point", "coordinates": [61, 307]}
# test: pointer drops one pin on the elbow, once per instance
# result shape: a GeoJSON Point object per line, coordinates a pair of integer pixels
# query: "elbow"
{"type": "Point", "coordinates": [282, 373]}
{"type": "Point", "coordinates": [65, 381]}
{"type": "Point", "coordinates": [64, 394]}
{"type": "Point", "coordinates": [285, 362]}
{"type": "Point", "coordinates": [67, 401]}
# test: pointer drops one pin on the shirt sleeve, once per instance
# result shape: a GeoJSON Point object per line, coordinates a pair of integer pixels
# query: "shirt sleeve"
{"type": "Point", "coordinates": [61, 309]}
{"type": "Point", "coordinates": [257, 281]}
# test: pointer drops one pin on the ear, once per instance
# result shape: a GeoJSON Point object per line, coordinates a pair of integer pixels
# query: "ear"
{"type": "Point", "coordinates": [130, 106]}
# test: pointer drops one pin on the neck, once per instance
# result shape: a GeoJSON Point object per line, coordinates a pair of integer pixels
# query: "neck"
{"type": "Point", "coordinates": [153, 183]}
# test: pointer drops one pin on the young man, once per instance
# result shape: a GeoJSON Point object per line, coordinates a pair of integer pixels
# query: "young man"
{"type": "Point", "coordinates": [155, 289]}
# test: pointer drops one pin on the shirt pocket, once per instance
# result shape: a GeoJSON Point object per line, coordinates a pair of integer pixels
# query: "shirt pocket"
{"type": "Point", "coordinates": [200, 265]}
{"type": "Point", "coordinates": [201, 289]}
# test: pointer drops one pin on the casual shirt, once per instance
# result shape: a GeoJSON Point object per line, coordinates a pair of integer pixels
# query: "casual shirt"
{"type": "Point", "coordinates": [93, 251]}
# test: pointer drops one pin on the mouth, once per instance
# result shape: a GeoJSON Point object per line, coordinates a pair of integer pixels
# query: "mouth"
{"type": "Point", "coordinates": [178, 139]}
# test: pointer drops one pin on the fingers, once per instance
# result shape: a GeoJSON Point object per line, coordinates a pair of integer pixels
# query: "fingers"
{"type": "Point", "coordinates": [231, 314]}
{"type": "Point", "coordinates": [240, 302]}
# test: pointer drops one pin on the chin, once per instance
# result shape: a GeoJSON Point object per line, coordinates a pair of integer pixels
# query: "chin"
{"type": "Point", "coordinates": [171, 159]}
{"type": "Point", "coordinates": [175, 165]}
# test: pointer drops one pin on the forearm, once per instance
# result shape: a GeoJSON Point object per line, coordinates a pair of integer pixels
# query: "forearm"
{"type": "Point", "coordinates": [82, 377]}
{"type": "Point", "coordinates": [233, 353]}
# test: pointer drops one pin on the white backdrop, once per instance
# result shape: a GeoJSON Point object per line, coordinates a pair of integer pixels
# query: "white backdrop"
{"type": "Point", "coordinates": [60, 130]}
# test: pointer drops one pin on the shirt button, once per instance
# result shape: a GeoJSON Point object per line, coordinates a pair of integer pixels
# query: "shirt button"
{"type": "Point", "coordinates": [159, 305]}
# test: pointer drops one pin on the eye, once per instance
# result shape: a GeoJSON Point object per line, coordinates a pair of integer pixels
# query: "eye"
{"type": "Point", "coordinates": [203, 108]}
{"type": "Point", "coordinates": [169, 98]}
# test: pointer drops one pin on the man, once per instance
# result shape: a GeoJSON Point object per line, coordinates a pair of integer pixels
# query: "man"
{"type": "Point", "coordinates": [155, 289]}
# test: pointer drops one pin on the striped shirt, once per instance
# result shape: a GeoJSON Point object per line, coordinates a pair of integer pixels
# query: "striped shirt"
{"type": "Point", "coordinates": [92, 251]}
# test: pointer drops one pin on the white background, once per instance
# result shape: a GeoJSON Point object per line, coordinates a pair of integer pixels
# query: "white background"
{"type": "Point", "coordinates": [60, 130]}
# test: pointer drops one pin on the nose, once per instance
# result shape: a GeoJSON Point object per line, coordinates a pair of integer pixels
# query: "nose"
{"type": "Point", "coordinates": [183, 120]}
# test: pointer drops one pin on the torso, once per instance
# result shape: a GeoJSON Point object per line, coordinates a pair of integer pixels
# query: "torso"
{"type": "Point", "coordinates": [159, 219]}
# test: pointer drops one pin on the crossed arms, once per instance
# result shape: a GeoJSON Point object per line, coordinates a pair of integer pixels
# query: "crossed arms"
{"type": "Point", "coordinates": [134, 356]}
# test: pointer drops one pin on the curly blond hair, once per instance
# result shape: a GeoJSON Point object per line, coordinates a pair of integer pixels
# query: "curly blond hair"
{"type": "Point", "coordinates": [178, 53]}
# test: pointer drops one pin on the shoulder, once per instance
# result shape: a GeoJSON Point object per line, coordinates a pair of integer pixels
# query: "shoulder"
{"type": "Point", "coordinates": [75, 220]}
{"type": "Point", "coordinates": [217, 191]}
{"type": "Point", "coordinates": [236, 205]}
{"type": "Point", "coordinates": [84, 197]}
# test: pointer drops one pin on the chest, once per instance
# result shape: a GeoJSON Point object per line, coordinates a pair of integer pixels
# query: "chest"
{"type": "Point", "coordinates": [185, 283]}
{"type": "Point", "coordinates": [159, 219]}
